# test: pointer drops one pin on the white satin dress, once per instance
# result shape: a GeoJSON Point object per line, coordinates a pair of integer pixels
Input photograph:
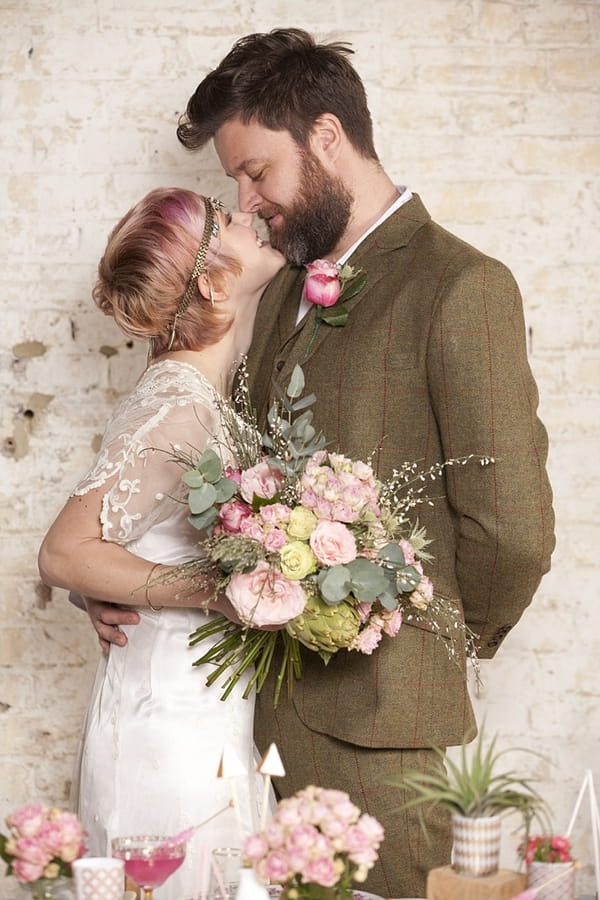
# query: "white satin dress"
{"type": "Point", "coordinates": [154, 733]}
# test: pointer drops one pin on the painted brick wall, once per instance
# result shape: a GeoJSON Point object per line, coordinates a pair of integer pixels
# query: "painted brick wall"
{"type": "Point", "coordinates": [489, 108]}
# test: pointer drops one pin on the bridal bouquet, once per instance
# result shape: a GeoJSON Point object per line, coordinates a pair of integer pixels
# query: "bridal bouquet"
{"type": "Point", "coordinates": [306, 541]}
{"type": "Point", "coordinates": [315, 846]}
{"type": "Point", "coordinates": [43, 842]}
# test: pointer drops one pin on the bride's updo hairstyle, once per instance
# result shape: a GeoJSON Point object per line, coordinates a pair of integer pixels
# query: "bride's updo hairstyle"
{"type": "Point", "coordinates": [146, 268]}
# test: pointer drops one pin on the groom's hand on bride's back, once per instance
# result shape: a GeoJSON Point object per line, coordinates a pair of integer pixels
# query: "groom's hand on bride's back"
{"type": "Point", "coordinates": [106, 619]}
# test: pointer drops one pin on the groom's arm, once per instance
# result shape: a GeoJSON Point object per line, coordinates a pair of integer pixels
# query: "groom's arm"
{"type": "Point", "coordinates": [106, 619]}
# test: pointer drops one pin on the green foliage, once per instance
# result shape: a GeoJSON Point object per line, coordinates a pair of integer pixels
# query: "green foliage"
{"type": "Point", "coordinates": [475, 786]}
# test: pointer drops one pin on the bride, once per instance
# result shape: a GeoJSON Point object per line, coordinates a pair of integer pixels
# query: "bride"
{"type": "Point", "coordinates": [183, 273]}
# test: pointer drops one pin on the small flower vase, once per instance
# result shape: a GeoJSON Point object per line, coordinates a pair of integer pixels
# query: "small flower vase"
{"type": "Point", "coordinates": [48, 889]}
{"type": "Point", "coordinates": [250, 888]}
{"type": "Point", "coordinates": [476, 849]}
{"type": "Point", "coordinates": [560, 888]}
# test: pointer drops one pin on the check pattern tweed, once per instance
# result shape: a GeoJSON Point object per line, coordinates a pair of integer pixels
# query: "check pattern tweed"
{"type": "Point", "coordinates": [431, 364]}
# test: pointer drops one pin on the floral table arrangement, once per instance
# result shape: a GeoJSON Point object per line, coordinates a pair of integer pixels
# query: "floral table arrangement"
{"type": "Point", "coordinates": [42, 843]}
{"type": "Point", "coordinates": [316, 845]}
{"type": "Point", "coordinates": [548, 848]}
{"type": "Point", "coordinates": [550, 866]}
{"type": "Point", "coordinates": [306, 541]}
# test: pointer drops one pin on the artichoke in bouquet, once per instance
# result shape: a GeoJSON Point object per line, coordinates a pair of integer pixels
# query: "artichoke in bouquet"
{"type": "Point", "coordinates": [324, 628]}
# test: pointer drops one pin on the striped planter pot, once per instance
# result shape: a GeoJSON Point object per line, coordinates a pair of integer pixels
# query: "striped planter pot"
{"type": "Point", "coordinates": [476, 849]}
{"type": "Point", "coordinates": [561, 888]}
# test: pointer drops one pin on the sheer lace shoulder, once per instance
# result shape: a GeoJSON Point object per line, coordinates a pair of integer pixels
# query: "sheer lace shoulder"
{"type": "Point", "coordinates": [171, 407]}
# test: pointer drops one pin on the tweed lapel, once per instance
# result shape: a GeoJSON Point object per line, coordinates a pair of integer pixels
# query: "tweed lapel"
{"type": "Point", "coordinates": [278, 341]}
{"type": "Point", "coordinates": [371, 256]}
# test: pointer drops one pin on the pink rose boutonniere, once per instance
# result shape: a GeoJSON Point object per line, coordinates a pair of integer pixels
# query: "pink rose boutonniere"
{"type": "Point", "coordinates": [328, 286]}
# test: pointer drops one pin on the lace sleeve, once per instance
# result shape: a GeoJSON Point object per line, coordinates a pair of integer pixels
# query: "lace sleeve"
{"type": "Point", "coordinates": [135, 462]}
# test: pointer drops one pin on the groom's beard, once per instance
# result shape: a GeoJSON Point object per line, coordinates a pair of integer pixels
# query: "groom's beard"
{"type": "Point", "coordinates": [316, 221]}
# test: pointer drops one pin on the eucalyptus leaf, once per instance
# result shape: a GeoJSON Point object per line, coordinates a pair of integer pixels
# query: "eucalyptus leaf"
{"type": "Point", "coordinates": [193, 478]}
{"type": "Point", "coordinates": [201, 498]}
{"type": "Point", "coordinates": [334, 584]}
{"type": "Point", "coordinates": [407, 579]}
{"type": "Point", "coordinates": [367, 579]}
{"type": "Point", "coordinates": [303, 402]}
{"type": "Point", "coordinates": [296, 383]}
{"type": "Point", "coordinates": [210, 466]}
{"type": "Point", "coordinates": [392, 553]}
{"type": "Point", "coordinates": [225, 488]}
{"type": "Point", "coordinates": [204, 519]}
{"type": "Point", "coordinates": [389, 598]}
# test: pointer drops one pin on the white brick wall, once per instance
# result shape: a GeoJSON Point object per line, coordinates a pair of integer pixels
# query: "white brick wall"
{"type": "Point", "coordinates": [489, 108]}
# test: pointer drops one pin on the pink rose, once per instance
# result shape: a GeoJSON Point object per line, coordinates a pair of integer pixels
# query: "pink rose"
{"type": "Point", "coordinates": [265, 597]}
{"type": "Point", "coordinates": [322, 284]}
{"type": "Point", "coordinates": [332, 543]}
{"type": "Point", "coordinates": [232, 514]}
{"type": "Point", "coordinates": [262, 480]}
{"type": "Point", "coordinates": [274, 513]}
{"type": "Point", "coordinates": [274, 540]}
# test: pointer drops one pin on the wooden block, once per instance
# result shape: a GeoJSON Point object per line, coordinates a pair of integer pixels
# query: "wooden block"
{"type": "Point", "coordinates": [446, 884]}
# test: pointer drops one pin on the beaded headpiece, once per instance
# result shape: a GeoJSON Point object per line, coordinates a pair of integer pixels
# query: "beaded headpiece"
{"type": "Point", "coordinates": [211, 230]}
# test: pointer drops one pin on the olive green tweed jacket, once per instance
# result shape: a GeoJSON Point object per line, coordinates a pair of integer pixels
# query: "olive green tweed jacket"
{"type": "Point", "coordinates": [431, 364]}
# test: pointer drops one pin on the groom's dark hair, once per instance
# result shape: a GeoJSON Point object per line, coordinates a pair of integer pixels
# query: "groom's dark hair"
{"type": "Point", "coordinates": [283, 80]}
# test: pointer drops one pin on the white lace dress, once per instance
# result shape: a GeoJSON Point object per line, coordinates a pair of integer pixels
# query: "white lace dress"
{"type": "Point", "coordinates": [154, 733]}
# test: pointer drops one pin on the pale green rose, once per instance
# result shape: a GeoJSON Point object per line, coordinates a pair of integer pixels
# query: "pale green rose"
{"type": "Point", "coordinates": [302, 523]}
{"type": "Point", "coordinates": [297, 560]}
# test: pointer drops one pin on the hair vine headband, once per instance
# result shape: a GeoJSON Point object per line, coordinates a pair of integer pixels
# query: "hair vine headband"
{"type": "Point", "coordinates": [211, 230]}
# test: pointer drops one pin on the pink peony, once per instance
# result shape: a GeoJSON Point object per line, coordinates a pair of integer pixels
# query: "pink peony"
{"type": "Point", "coordinates": [276, 866]}
{"type": "Point", "coordinates": [322, 285]}
{"type": "Point", "coordinates": [26, 871]}
{"type": "Point", "coordinates": [28, 819]}
{"type": "Point", "coordinates": [254, 847]}
{"type": "Point", "coordinates": [265, 597]}
{"type": "Point", "coordinates": [262, 480]}
{"type": "Point", "coordinates": [322, 871]}
{"type": "Point", "coordinates": [32, 850]}
{"type": "Point", "coordinates": [332, 543]}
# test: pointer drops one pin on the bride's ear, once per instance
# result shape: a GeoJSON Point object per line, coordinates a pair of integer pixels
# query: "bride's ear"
{"type": "Point", "coordinates": [209, 290]}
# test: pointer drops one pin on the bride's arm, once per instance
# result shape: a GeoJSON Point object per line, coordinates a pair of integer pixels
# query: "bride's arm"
{"type": "Point", "coordinates": [74, 556]}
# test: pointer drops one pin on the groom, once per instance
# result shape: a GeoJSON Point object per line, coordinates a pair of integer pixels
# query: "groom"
{"type": "Point", "coordinates": [430, 364]}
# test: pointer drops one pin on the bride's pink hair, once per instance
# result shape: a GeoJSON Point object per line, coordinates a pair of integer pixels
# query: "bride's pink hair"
{"type": "Point", "coordinates": [145, 270]}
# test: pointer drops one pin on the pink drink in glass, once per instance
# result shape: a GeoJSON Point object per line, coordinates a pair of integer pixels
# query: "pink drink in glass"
{"type": "Point", "coordinates": [149, 859]}
{"type": "Point", "coordinates": [149, 871]}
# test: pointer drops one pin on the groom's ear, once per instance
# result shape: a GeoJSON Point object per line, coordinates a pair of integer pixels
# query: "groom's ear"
{"type": "Point", "coordinates": [327, 137]}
